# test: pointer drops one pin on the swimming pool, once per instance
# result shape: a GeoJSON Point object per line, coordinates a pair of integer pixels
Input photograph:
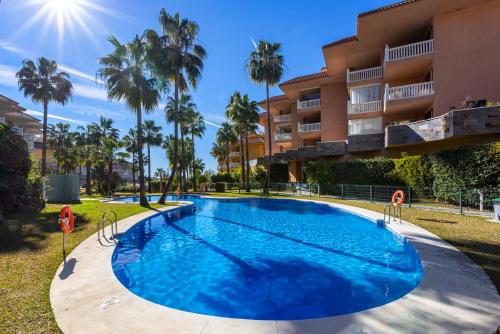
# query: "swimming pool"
{"type": "Point", "coordinates": [266, 259]}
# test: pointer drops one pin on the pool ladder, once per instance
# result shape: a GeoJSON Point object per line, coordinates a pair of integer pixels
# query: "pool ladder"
{"type": "Point", "coordinates": [396, 211]}
{"type": "Point", "coordinates": [111, 218]}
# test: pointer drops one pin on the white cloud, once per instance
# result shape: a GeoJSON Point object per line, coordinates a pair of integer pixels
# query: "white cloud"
{"type": "Point", "coordinates": [253, 42]}
{"type": "Point", "coordinates": [8, 76]}
{"type": "Point", "coordinates": [70, 120]}
{"type": "Point", "coordinates": [94, 92]}
{"type": "Point", "coordinates": [80, 74]}
{"type": "Point", "coordinates": [10, 47]}
{"type": "Point", "coordinates": [212, 124]}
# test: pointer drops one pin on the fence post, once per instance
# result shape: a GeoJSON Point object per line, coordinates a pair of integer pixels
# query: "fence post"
{"type": "Point", "coordinates": [371, 193]}
{"type": "Point", "coordinates": [342, 191]}
{"type": "Point", "coordinates": [319, 194]}
{"type": "Point", "coordinates": [460, 200]}
{"type": "Point", "coordinates": [310, 191]}
{"type": "Point", "coordinates": [409, 197]}
{"type": "Point", "coordinates": [481, 201]}
{"type": "Point", "coordinates": [300, 188]}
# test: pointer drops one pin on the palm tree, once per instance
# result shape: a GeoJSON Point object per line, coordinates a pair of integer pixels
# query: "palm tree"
{"type": "Point", "coordinates": [267, 65]}
{"type": "Point", "coordinates": [86, 140]}
{"type": "Point", "coordinates": [235, 112]}
{"type": "Point", "coordinates": [219, 151]}
{"type": "Point", "coordinates": [44, 84]}
{"type": "Point", "coordinates": [130, 144]}
{"type": "Point", "coordinates": [152, 137]}
{"type": "Point", "coordinates": [127, 77]}
{"type": "Point", "coordinates": [176, 57]}
{"type": "Point", "coordinates": [196, 127]}
{"type": "Point", "coordinates": [250, 119]}
{"type": "Point", "coordinates": [225, 136]}
{"type": "Point", "coordinates": [109, 148]}
{"type": "Point", "coordinates": [60, 139]}
{"type": "Point", "coordinates": [160, 173]}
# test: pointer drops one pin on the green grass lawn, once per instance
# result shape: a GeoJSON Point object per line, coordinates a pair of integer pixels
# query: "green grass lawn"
{"type": "Point", "coordinates": [30, 252]}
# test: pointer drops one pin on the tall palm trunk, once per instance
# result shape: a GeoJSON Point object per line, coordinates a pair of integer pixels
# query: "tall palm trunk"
{"type": "Point", "coordinates": [268, 113]}
{"type": "Point", "coordinates": [183, 160]}
{"type": "Point", "coordinates": [110, 173]}
{"type": "Point", "coordinates": [248, 163]}
{"type": "Point", "coordinates": [133, 173]}
{"type": "Point", "coordinates": [143, 200]}
{"type": "Point", "coordinates": [176, 141]}
{"type": "Point", "coordinates": [192, 163]}
{"type": "Point", "coordinates": [227, 158]}
{"type": "Point", "coordinates": [149, 168]}
{"type": "Point", "coordinates": [88, 190]}
{"type": "Point", "coordinates": [242, 158]}
{"type": "Point", "coordinates": [44, 137]}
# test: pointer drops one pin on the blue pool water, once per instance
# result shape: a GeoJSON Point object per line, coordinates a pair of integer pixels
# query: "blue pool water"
{"type": "Point", "coordinates": [267, 259]}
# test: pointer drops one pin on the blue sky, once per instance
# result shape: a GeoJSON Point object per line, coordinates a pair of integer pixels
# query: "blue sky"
{"type": "Point", "coordinates": [31, 28]}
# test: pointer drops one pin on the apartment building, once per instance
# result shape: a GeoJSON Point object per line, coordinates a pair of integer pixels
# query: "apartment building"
{"type": "Point", "coordinates": [13, 115]}
{"type": "Point", "coordinates": [255, 151]}
{"type": "Point", "coordinates": [419, 76]}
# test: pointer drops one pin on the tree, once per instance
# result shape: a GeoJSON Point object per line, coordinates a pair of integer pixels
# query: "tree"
{"type": "Point", "coordinates": [44, 84]}
{"type": "Point", "coordinates": [87, 140]}
{"type": "Point", "coordinates": [152, 137]}
{"type": "Point", "coordinates": [267, 65]}
{"type": "Point", "coordinates": [110, 147]}
{"type": "Point", "coordinates": [60, 139]}
{"type": "Point", "coordinates": [160, 173]}
{"type": "Point", "coordinates": [249, 123]}
{"type": "Point", "coordinates": [235, 112]}
{"type": "Point", "coordinates": [225, 136]}
{"type": "Point", "coordinates": [196, 127]}
{"type": "Point", "coordinates": [127, 78]}
{"type": "Point", "coordinates": [175, 56]}
{"type": "Point", "coordinates": [130, 145]}
{"type": "Point", "coordinates": [219, 152]}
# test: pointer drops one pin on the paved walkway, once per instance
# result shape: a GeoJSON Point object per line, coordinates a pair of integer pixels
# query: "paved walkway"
{"type": "Point", "coordinates": [455, 296]}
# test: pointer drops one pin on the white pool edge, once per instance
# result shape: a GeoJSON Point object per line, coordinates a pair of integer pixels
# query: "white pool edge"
{"type": "Point", "coordinates": [455, 295]}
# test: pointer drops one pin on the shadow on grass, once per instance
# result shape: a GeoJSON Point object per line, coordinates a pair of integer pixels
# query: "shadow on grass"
{"type": "Point", "coordinates": [432, 220]}
{"type": "Point", "coordinates": [29, 230]}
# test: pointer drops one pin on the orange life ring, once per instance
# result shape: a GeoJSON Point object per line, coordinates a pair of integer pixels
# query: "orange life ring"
{"type": "Point", "coordinates": [398, 197]}
{"type": "Point", "coordinates": [66, 219]}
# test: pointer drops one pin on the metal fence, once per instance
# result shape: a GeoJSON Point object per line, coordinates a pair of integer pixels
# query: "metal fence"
{"type": "Point", "coordinates": [450, 199]}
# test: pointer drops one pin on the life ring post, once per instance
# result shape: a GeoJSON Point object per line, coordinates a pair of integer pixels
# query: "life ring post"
{"type": "Point", "coordinates": [67, 223]}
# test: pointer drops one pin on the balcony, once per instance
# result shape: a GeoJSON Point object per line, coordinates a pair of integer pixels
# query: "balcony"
{"type": "Point", "coordinates": [234, 165]}
{"type": "Point", "coordinates": [282, 136]}
{"type": "Point", "coordinates": [282, 118]}
{"type": "Point", "coordinates": [308, 104]}
{"type": "Point", "coordinates": [408, 61]}
{"type": "Point", "coordinates": [457, 126]}
{"type": "Point", "coordinates": [309, 127]}
{"type": "Point", "coordinates": [365, 142]}
{"type": "Point", "coordinates": [366, 107]}
{"type": "Point", "coordinates": [415, 97]}
{"type": "Point", "coordinates": [366, 74]}
{"type": "Point", "coordinates": [234, 154]}
{"type": "Point", "coordinates": [3, 121]}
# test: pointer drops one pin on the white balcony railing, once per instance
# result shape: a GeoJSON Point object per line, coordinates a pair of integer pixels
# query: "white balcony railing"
{"type": "Point", "coordinates": [309, 127]}
{"type": "Point", "coordinates": [366, 74]}
{"type": "Point", "coordinates": [282, 136]}
{"type": "Point", "coordinates": [308, 104]}
{"type": "Point", "coordinates": [409, 50]}
{"type": "Point", "coordinates": [234, 165]}
{"type": "Point", "coordinates": [18, 130]}
{"type": "Point", "coordinates": [234, 154]}
{"type": "Point", "coordinates": [356, 108]}
{"type": "Point", "coordinates": [2, 120]}
{"type": "Point", "coordinates": [409, 91]}
{"type": "Point", "coordinates": [282, 118]}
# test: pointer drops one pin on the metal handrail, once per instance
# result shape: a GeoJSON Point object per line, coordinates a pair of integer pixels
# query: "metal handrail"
{"type": "Point", "coordinates": [113, 222]}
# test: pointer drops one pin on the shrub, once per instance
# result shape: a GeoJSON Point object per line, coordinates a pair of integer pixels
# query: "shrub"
{"type": "Point", "coordinates": [220, 187]}
{"type": "Point", "coordinates": [414, 171]}
{"type": "Point", "coordinates": [15, 166]}
{"type": "Point", "coordinates": [224, 177]}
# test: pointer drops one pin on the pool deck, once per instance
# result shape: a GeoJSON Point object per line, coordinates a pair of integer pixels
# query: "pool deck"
{"type": "Point", "coordinates": [455, 296]}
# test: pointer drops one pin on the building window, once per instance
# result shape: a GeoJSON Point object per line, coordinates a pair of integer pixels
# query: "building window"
{"type": "Point", "coordinates": [365, 94]}
{"type": "Point", "coordinates": [365, 126]}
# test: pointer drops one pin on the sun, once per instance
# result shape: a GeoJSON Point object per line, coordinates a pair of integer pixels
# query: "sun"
{"type": "Point", "coordinates": [73, 17]}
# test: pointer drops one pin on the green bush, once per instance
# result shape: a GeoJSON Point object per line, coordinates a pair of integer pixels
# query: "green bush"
{"type": "Point", "coordinates": [156, 187]}
{"type": "Point", "coordinates": [224, 177]}
{"type": "Point", "coordinates": [15, 167]}
{"type": "Point", "coordinates": [414, 171]}
{"type": "Point", "coordinates": [220, 187]}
